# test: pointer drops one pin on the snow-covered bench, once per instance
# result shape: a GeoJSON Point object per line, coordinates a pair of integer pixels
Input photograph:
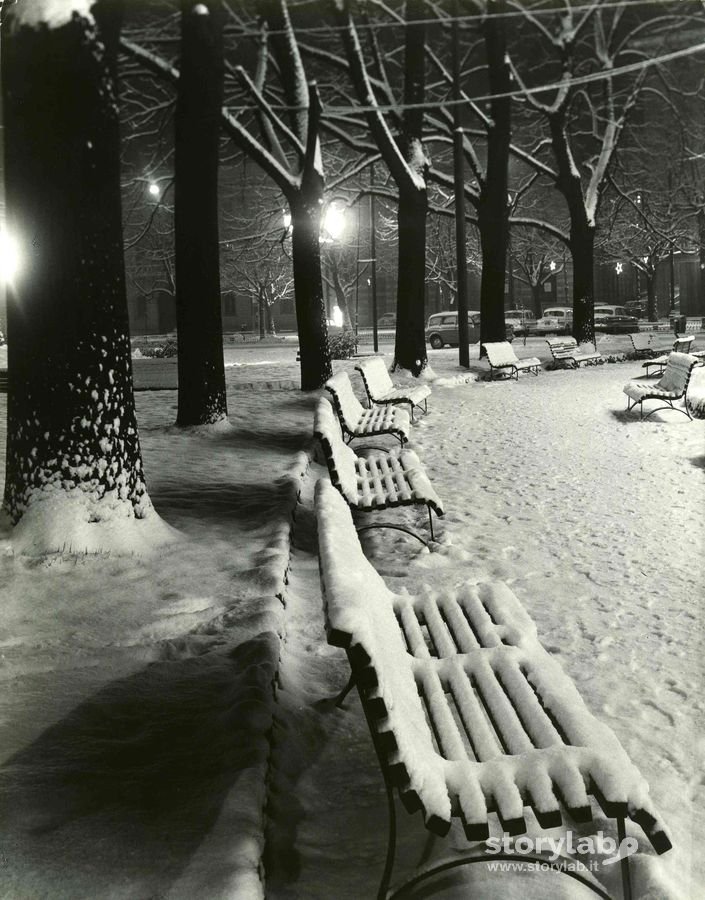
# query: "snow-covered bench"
{"type": "Point", "coordinates": [565, 351]}
{"type": "Point", "coordinates": [469, 714]}
{"type": "Point", "coordinates": [356, 421]}
{"type": "Point", "coordinates": [644, 344]}
{"type": "Point", "coordinates": [381, 390]}
{"type": "Point", "coordinates": [377, 480]}
{"type": "Point", "coordinates": [680, 345]}
{"type": "Point", "coordinates": [671, 387]}
{"type": "Point", "coordinates": [504, 361]}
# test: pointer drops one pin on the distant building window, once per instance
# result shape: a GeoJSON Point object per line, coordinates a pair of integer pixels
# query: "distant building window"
{"type": "Point", "coordinates": [229, 305]}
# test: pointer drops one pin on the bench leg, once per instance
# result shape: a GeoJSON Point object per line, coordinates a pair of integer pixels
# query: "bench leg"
{"type": "Point", "coordinates": [396, 528]}
{"type": "Point", "coordinates": [624, 862]}
{"type": "Point", "coordinates": [383, 889]}
{"type": "Point", "coordinates": [344, 693]}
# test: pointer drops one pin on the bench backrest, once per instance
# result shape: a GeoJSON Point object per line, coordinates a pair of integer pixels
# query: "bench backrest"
{"type": "Point", "coordinates": [376, 377]}
{"type": "Point", "coordinates": [340, 459]}
{"type": "Point", "coordinates": [347, 405]}
{"type": "Point", "coordinates": [641, 340]}
{"type": "Point", "coordinates": [683, 344]}
{"type": "Point", "coordinates": [562, 345]}
{"type": "Point", "coordinates": [500, 353]}
{"type": "Point", "coordinates": [677, 373]}
{"type": "Point", "coordinates": [360, 612]}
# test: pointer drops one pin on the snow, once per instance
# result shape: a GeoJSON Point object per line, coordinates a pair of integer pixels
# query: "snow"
{"type": "Point", "coordinates": [49, 13]}
{"type": "Point", "coordinates": [141, 724]}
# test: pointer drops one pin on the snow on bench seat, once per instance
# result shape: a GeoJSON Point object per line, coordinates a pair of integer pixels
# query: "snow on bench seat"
{"type": "Point", "coordinates": [381, 390]}
{"type": "Point", "coordinates": [378, 480]}
{"type": "Point", "coordinates": [356, 421]}
{"type": "Point", "coordinates": [503, 360]}
{"type": "Point", "coordinates": [469, 712]}
{"type": "Point", "coordinates": [565, 350]}
{"type": "Point", "coordinates": [671, 387]}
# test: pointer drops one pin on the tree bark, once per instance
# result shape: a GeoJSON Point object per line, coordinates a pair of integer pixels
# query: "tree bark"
{"type": "Point", "coordinates": [71, 433]}
{"type": "Point", "coordinates": [410, 340]}
{"type": "Point", "coordinates": [701, 260]}
{"type": "Point", "coordinates": [582, 248]}
{"type": "Point", "coordinates": [493, 206]}
{"type": "Point", "coordinates": [308, 287]}
{"type": "Point", "coordinates": [651, 306]}
{"type": "Point", "coordinates": [202, 396]}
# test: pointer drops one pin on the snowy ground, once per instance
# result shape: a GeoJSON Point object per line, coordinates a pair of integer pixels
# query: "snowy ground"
{"type": "Point", "coordinates": [136, 719]}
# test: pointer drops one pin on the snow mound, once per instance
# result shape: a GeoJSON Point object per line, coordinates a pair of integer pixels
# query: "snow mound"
{"type": "Point", "coordinates": [63, 522]}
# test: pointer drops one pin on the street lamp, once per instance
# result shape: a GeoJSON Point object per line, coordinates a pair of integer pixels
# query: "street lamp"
{"type": "Point", "coordinates": [9, 257]}
{"type": "Point", "coordinates": [334, 222]}
{"type": "Point", "coordinates": [154, 189]}
{"type": "Point", "coordinates": [619, 268]}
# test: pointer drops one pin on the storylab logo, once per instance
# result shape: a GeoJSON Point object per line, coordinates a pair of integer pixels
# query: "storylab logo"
{"type": "Point", "coordinates": [568, 851]}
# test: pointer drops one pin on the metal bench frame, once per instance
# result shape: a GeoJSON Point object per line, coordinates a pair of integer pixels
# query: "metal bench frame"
{"type": "Point", "coordinates": [684, 363]}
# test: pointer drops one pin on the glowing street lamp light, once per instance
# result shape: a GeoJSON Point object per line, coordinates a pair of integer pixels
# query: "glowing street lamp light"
{"type": "Point", "coordinates": [619, 268]}
{"type": "Point", "coordinates": [153, 189]}
{"type": "Point", "coordinates": [334, 221]}
{"type": "Point", "coordinates": [9, 256]}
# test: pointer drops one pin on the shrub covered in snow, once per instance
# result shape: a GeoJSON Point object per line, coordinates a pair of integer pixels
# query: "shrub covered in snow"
{"type": "Point", "coordinates": [161, 351]}
{"type": "Point", "coordinates": [343, 345]}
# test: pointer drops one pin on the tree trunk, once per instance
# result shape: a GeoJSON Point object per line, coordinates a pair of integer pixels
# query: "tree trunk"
{"type": "Point", "coordinates": [341, 300]}
{"type": "Point", "coordinates": [537, 297]}
{"type": "Point", "coordinates": [308, 288]}
{"type": "Point", "coordinates": [261, 306]}
{"type": "Point", "coordinates": [493, 210]}
{"type": "Point", "coordinates": [582, 248]}
{"type": "Point", "coordinates": [202, 397]}
{"type": "Point", "coordinates": [701, 260]}
{"type": "Point", "coordinates": [271, 325]}
{"type": "Point", "coordinates": [651, 306]}
{"type": "Point", "coordinates": [73, 453]}
{"type": "Point", "coordinates": [410, 339]}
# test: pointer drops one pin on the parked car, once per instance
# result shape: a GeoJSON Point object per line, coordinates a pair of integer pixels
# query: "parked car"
{"type": "Point", "coordinates": [556, 320]}
{"type": "Point", "coordinates": [615, 320]}
{"type": "Point", "coordinates": [522, 321]}
{"type": "Point", "coordinates": [442, 329]}
{"type": "Point", "coordinates": [388, 320]}
{"type": "Point", "coordinates": [636, 308]}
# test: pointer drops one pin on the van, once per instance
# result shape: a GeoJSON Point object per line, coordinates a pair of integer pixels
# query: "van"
{"type": "Point", "coordinates": [556, 319]}
{"type": "Point", "coordinates": [442, 329]}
